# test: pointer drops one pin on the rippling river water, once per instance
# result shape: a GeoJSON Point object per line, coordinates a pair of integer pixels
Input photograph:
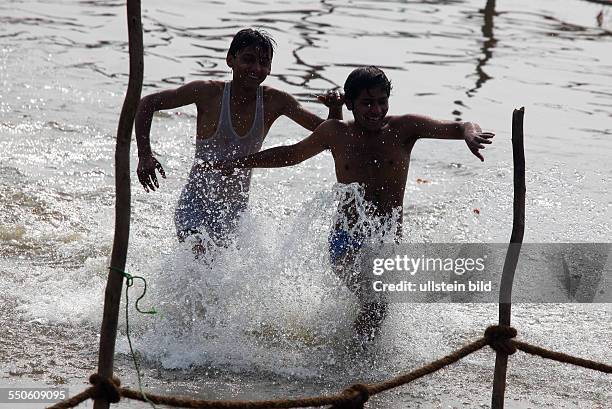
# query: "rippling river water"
{"type": "Point", "coordinates": [273, 321]}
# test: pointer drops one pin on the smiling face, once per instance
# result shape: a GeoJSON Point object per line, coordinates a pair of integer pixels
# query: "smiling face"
{"type": "Point", "coordinates": [250, 65]}
{"type": "Point", "coordinates": [370, 108]}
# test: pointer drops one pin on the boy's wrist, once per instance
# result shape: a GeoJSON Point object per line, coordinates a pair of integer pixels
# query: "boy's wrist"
{"type": "Point", "coordinates": [466, 128]}
{"type": "Point", "coordinates": [335, 112]}
{"type": "Point", "coordinates": [143, 154]}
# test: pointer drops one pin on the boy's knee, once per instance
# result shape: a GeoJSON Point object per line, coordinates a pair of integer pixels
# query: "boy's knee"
{"type": "Point", "coordinates": [183, 235]}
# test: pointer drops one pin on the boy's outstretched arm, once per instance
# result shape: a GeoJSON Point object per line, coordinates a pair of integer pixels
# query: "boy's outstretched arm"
{"type": "Point", "coordinates": [147, 163]}
{"type": "Point", "coordinates": [292, 109]}
{"type": "Point", "coordinates": [281, 156]}
{"type": "Point", "coordinates": [425, 127]}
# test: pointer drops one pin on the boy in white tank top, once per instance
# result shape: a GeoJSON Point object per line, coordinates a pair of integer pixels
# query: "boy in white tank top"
{"type": "Point", "coordinates": [233, 120]}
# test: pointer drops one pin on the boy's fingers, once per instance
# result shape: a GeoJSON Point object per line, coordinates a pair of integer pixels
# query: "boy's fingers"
{"type": "Point", "coordinates": [330, 96]}
{"type": "Point", "coordinates": [476, 145]}
{"type": "Point", "coordinates": [477, 154]}
{"type": "Point", "coordinates": [322, 99]}
{"type": "Point", "coordinates": [143, 182]}
{"type": "Point", "coordinates": [144, 185]}
{"type": "Point", "coordinates": [148, 181]}
{"type": "Point", "coordinates": [155, 182]}
{"type": "Point", "coordinates": [160, 169]}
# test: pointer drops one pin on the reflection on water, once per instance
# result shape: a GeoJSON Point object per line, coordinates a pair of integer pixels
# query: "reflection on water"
{"type": "Point", "coordinates": [487, 46]}
{"type": "Point", "coordinates": [63, 71]}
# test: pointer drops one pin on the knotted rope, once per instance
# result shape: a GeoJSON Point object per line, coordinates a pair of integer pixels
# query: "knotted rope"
{"type": "Point", "coordinates": [499, 337]}
{"type": "Point", "coordinates": [355, 396]}
{"type": "Point", "coordinates": [108, 389]}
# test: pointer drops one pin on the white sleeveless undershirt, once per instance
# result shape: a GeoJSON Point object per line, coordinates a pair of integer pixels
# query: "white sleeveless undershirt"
{"type": "Point", "coordinates": [211, 200]}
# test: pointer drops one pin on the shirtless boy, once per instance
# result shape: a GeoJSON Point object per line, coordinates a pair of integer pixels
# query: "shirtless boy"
{"type": "Point", "coordinates": [373, 151]}
{"type": "Point", "coordinates": [232, 121]}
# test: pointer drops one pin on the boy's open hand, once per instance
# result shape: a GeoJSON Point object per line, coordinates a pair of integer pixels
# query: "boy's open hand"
{"type": "Point", "coordinates": [146, 172]}
{"type": "Point", "coordinates": [332, 99]}
{"type": "Point", "coordinates": [475, 138]}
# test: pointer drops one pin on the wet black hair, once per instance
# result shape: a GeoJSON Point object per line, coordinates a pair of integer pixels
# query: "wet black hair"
{"type": "Point", "coordinates": [250, 36]}
{"type": "Point", "coordinates": [365, 78]}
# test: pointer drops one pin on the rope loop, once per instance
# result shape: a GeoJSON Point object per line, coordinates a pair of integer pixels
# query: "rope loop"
{"type": "Point", "coordinates": [499, 337]}
{"type": "Point", "coordinates": [355, 396]}
{"type": "Point", "coordinates": [129, 279]}
{"type": "Point", "coordinates": [129, 282]}
{"type": "Point", "coordinates": [105, 388]}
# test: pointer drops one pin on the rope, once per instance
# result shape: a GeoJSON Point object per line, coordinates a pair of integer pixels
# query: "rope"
{"type": "Point", "coordinates": [497, 337]}
{"type": "Point", "coordinates": [427, 369]}
{"type": "Point", "coordinates": [356, 396]}
{"type": "Point", "coordinates": [73, 401]}
{"type": "Point", "coordinates": [107, 389]}
{"type": "Point", "coordinates": [102, 388]}
{"type": "Point", "coordinates": [129, 282]}
{"type": "Point", "coordinates": [561, 357]}
{"type": "Point", "coordinates": [237, 404]}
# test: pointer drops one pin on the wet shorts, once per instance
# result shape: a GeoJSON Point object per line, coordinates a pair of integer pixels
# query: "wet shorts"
{"type": "Point", "coordinates": [340, 243]}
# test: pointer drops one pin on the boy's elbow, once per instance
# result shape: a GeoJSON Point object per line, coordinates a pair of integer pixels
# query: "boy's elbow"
{"type": "Point", "coordinates": [316, 123]}
{"type": "Point", "coordinates": [149, 103]}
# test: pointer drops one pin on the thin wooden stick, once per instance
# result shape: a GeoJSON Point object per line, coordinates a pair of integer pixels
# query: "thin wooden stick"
{"type": "Point", "coordinates": [114, 285]}
{"type": "Point", "coordinates": [512, 255]}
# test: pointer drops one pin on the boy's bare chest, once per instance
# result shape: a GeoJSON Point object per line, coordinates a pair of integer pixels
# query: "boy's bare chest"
{"type": "Point", "coordinates": [375, 157]}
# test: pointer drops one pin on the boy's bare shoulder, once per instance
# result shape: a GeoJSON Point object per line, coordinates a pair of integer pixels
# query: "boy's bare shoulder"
{"type": "Point", "coordinates": [276, 96]}
{"type": "Point", "coordinates": [279, 102]}
{"type": "Point", "coordinates": [207, 88]}
{"type": "Point", "coordinates": [405, 125]}
{"type": "Point", "coordinates": [333, 126]}
{"type": "Point", "coordinates": [402, 120]}
{"type": "Point", "coordinates": [272, 92]}
{"type": "Point", "coordinates": [333, 132]}
{"type": "Point", "coordinates": [330, 133]}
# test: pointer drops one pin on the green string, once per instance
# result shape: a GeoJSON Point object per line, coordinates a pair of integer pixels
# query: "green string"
{"type": "Point", "coordinates": [129, 283]}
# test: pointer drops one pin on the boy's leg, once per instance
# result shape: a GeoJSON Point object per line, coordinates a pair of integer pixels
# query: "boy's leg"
{"type": "Point", "coordinates": [198, 247]}
{"type": "Point", "coordinates": [344, 252]}
{"type": "Point", "coordinates": [370, 319]}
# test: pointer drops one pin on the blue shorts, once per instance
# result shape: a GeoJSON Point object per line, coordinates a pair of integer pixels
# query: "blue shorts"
{"type": "Point", "coordinates": [340, 243]}
{"type": "Point", "coordinates": [203, 210]}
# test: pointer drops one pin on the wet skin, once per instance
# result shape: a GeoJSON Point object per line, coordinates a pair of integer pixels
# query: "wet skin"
{"type": "Point", "coordinates": [250, 67]}
{"type": "Point", "coordinates": [373, 150]}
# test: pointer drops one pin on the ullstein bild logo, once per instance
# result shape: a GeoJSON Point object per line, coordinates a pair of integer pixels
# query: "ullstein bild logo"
{"type": "Point", "coordinates": [451, 272]}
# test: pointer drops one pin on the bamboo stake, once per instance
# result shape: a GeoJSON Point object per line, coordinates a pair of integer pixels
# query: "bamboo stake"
{"type": "Point", "coordinates": [114, 285]}
{"type": "Point", "coordinates": [512, 255]}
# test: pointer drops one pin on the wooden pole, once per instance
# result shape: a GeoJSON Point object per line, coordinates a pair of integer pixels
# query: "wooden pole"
{"type": "Point", "coordinates": [512, 255]}
{"type": "Point", "coordinates": [114, 285]}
